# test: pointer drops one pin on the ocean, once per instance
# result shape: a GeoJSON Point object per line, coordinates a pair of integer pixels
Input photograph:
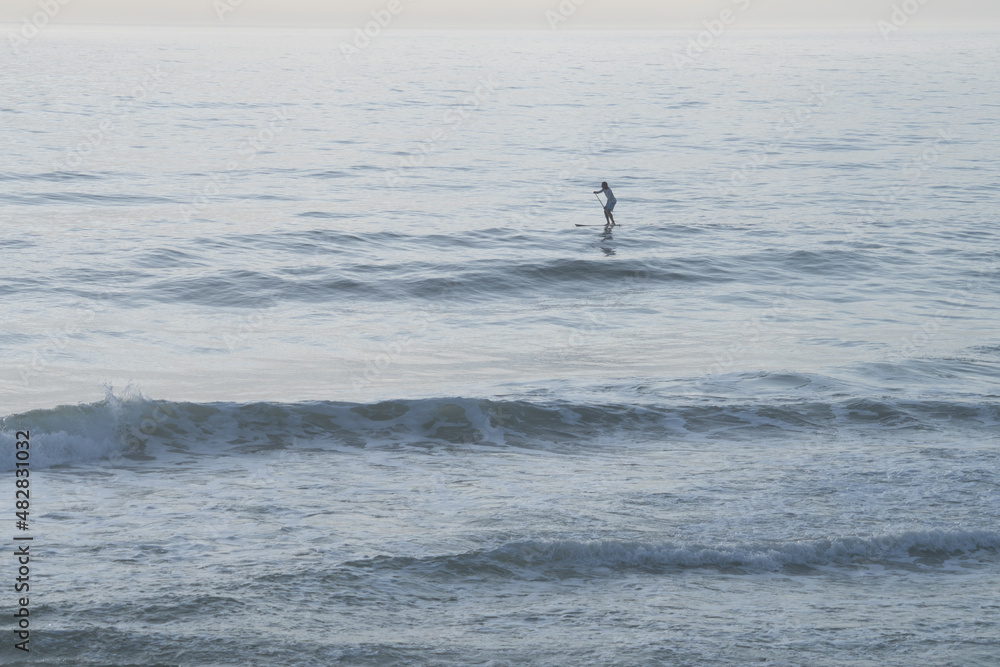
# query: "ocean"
{"type": "Point", "coordinates": [306, 361]}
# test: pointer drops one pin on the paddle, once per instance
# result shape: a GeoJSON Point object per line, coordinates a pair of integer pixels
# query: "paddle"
{"type": "Point", "coordinates": [607, 224]}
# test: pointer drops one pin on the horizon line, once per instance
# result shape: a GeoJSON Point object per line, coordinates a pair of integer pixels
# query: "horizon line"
{"type": "Point", "coordinates": [687, 26]}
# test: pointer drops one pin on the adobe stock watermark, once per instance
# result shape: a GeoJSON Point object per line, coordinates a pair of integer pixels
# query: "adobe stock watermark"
{"type": "Point", "coordinates": [363, 35]}
{"type": "Point", "coordinates": [900, 16]}
{"type": "Point", "coordinates": [787, 128]}
{"type": "Point", "coordinates": [219, 181]}
{"type": "Point", "coordinates": [33, 25]}
{"type": "Point", "coordinates": [55, 344]}
{"type": "Point", "coordinates": [750, 335]}
{"type": "Point", "coordinates": [96, 137]}
{"type": "Point", "coordinates": [563, 12]}
{"type": "Point", "coordinates": [248, 327]}
{"type": "Point", "coordinates": [914, 171]}
{"type": "Point", "coordinates": [715, 28]}
{"type": "Point", "coordinates": [912, 344]}
{"type": "Point", "coordinates": [452, 119]}
{"type": "Point", "coordinates": [378, 364]}
{"type": "Point", "coordinates": [585, 334]}
{"type": "Point", "coordinates": [149, 424]}
{"type": "Point", "coordinates": [577, 169]}
{"type": "Point", "coordinates": [225, 7]}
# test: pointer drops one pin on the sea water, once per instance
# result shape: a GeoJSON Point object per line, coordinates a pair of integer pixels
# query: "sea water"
{"type": "Point", "coordinates": [318, 368]}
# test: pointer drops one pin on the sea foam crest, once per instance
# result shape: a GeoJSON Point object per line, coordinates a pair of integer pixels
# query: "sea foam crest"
{"type": "Point", "coordinates": [76, 433]}
{"type": "Point", "coordinates": [529, 559]}
{"type": "Point", "coordinates": [136, 427]}
{"type": "Point", "coordinates": [927, 546]}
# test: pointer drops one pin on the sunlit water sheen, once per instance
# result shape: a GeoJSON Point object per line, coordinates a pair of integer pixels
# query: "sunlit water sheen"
{"type": "Point", "coordinates": [319, 370]}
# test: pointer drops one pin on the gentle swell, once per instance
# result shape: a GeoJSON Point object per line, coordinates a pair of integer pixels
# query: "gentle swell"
{"type": "Point", "coordinates": [137, 427]}
{"type": "Point", "coordinates": [567, 558]}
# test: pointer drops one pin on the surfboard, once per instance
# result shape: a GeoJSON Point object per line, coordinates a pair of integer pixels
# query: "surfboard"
{"type": "Point", "coordinates": [578, 225]}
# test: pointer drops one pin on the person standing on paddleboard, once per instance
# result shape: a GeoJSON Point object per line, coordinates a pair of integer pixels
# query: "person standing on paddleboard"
{"type": "Point", "coordinates": [610, 206]}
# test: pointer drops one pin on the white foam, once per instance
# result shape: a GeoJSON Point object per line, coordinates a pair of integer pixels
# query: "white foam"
{"type": "Point", "coordinates": [72, 434]}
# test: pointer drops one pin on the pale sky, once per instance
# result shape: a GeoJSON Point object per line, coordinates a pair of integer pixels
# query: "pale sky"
{"type": "Point", "coordinates": [521, 13]}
